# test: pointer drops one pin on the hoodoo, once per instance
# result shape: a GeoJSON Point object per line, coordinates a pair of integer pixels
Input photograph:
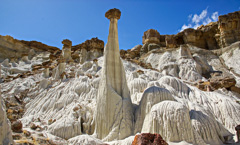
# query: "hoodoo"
{"type": "Point", "coordinates": [114, 113]}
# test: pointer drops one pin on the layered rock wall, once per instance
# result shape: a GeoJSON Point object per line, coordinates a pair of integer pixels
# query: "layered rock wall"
{"type": "Point", "coordinates": [212, 36]}
{"type": "Point", "coordinates": [229, 26]}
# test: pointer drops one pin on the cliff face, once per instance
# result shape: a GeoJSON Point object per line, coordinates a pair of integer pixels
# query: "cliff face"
{"type": "Point", "coordinates": [229, 27]}
{"type": "Point", "coordinates": [211, 36]}
{"type": "Point", "coordinates": [13, 48]}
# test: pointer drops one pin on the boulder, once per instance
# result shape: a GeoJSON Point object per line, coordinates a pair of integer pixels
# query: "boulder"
{"type": "Point", "coordinates": [151, 36]}
{"type": "Point", "coordinates": [222, 82]}
{"type": "Point", "coordinates": [170, 119]}
{"type": "Point", "coordinates": [33, 126]}
{"type": "Point", "coordinates": [149, 139]}
{"type": "Point", "coordinates": [17, 126]}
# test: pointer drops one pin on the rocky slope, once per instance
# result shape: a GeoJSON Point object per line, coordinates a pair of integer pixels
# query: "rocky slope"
{"type": "Point", "coordinates": [185, 87]}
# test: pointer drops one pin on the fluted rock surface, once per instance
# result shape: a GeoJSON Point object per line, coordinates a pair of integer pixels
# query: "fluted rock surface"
{"type": "Point", "coordinates": [151, 96]}
{"type": "Point", "coordinates": [114, 114]}
{"type": "Point", "coordinates": [5, 126]}
{"type": "Point", "coordinates": [171, 120]}
{"type": "Point", "coordinates": [210, 130]}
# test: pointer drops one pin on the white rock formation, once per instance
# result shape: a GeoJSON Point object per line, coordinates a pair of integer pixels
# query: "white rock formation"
{"type": "Point", "coordinates": [25, 59]}
{"type": "Point", "coordinates": [180, 63]}
{"type": "Point", "coordinates": [209, 129]}
{"type": "Point", "coordinates": [5, 125]}
{"type": "Point", "coordinates": [151, 96]}
{"type": "Point", "coordinates": [59, 70]}
{"type": "Point", "coordinates": [44, 83]}
{"type": "Point", "coordinates": [189, 69]}
{"type": "Point", "coordinates": [46, 73]}
{"type": "Point", "coordinates": [66, 127]}
{"type": "Point", "coordinates": [5, 63]}
{"type": "Point", "coordinates": [229, 56]}
{"type": "Point", "coordinates": [126, 141]}
{"type": "Point", "coordinates": [171, 120]}
{"type": "Point", "coordinates": [215, 102]}
{"type": "Point", "coordinates": [83, 56]}
{"type": "Point", "coordinates": [84, 140]}
{"type": "Point", "coordinates": [114, 114]}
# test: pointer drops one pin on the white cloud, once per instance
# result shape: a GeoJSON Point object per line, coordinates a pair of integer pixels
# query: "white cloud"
{"type": "Point", "coordinates": [196, 26]}
{"type": "Point", "coordinates": [214, 16]}
{"type": "Point", "coordinates": [185, 27]}
{"type": "Point", "coordinates": [189, 17]}
{"type": "Point", "coordinates": [195, 20]}
{"type": "Point", "coordinates": [207, 21]}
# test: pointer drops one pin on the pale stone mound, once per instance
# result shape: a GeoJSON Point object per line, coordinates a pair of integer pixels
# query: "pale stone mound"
{"type": "Point", "coordinates": [126, 141]}
{"type": "Point", "coordinates": [84, 140]}
{"type": "Point", "coordinates": [170, 119]}
{"type": "Point", "coordinates": [151, 96]}
{"type": "Point", "coordinates": [210, 130]}
{"type": "Point", "coordinates": [223, 107]}
{"type": "Point", "coordinates": [66, 127]}
{"type": "Point", "coordinates": [175, 86]}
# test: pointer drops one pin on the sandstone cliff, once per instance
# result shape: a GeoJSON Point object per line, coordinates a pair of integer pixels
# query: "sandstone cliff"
{"type": "Point", "coordinates": [212, 36]}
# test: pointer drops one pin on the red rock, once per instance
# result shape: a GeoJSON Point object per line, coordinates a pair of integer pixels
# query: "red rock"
{"type": "Point", "coordinates": [17, 126]}
{"type": "Point", "coordinates": [149, 139]}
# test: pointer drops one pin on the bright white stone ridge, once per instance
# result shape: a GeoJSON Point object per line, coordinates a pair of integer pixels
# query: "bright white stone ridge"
{"type": "Point", "coordinates": [150, 97]}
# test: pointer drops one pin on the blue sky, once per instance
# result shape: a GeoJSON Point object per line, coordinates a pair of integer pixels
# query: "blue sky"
{"type": "Point", "coordinates": [51, 21]}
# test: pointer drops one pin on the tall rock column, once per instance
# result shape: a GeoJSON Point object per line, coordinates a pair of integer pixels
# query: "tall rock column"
{"type": "Point", "coordinates": [114, 113]}
{"type": "Point", "coordinates": [5, 126]}
{"type": "Point", "coordinates": [66, 50]}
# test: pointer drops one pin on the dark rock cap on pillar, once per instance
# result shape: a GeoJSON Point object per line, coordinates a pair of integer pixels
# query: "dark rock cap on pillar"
{"type": "Point", "coordinates": [113, 13]}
